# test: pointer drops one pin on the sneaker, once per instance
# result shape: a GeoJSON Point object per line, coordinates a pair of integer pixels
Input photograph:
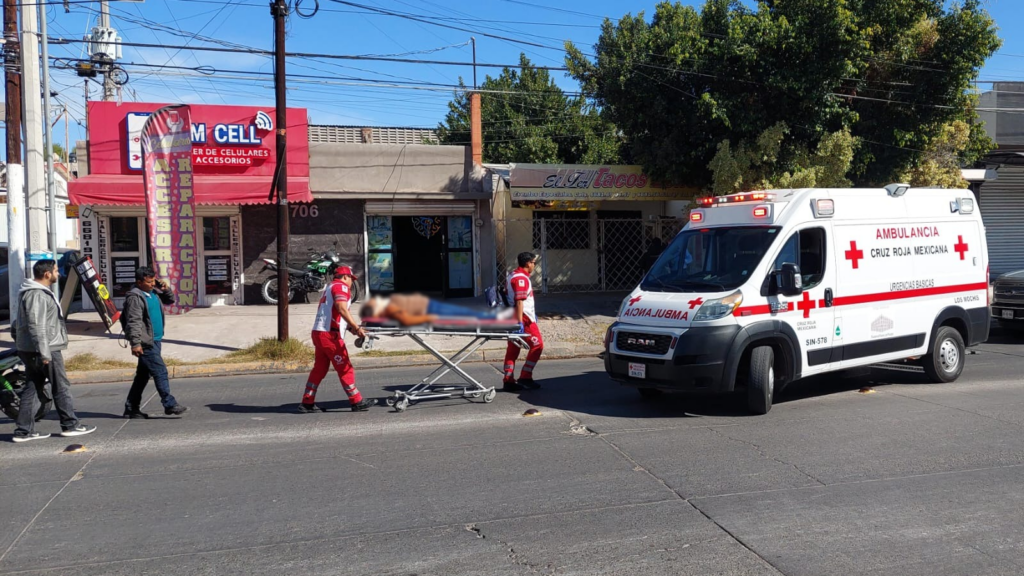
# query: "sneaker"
{"type": "Point", "coordinates": [308, 408]}
{"type": "Point", "coordinates": [363, 405]}
{"type": "Point", "coordinates": [80, 430]}
{"type": "Point", "coordinates": [176, 410]}
{"type": "Point", "coordinates": [528, 383]}
{"type": "Point", "coordinates": [510, 385]}
{"type": "Point", "coordinates": [135, 414]}
{"type": "Point", "coordinates": [28, 437]}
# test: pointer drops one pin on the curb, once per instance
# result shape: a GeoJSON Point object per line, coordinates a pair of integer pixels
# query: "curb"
{"type": "Point", "coordinates": [554, 351]}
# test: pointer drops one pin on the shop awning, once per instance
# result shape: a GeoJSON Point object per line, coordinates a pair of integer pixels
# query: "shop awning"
{"type": "Point", "coordinates": [127, 190]}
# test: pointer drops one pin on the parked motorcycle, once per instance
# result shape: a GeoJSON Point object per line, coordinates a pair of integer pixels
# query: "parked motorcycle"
{"type": "Point", "coordinates": [12, 381]}
{"type": "Point", "coordinates": [311, 279]}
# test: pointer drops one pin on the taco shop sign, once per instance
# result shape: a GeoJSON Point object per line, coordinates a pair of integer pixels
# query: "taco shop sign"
{"type": "Point", "coordinates": [593, 183]}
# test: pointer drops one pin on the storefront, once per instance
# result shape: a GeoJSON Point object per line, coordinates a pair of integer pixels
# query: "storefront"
{"type": "Point", "coordinates": [233, 156]}
{"type": "Point", "coordinates": [596, 228]}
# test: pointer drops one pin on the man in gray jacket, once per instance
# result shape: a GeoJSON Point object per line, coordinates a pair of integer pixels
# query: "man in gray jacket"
{"type": "Point", "coordinates": [41, 336]}
{"type": "Point", "coordinates": [143, 321]}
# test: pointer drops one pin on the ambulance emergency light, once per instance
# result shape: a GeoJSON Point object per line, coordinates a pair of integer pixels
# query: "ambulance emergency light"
{"type": "Point", "coordinates": [712, 201]}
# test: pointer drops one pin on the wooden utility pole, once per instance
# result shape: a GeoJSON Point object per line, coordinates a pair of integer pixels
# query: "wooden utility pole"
{"type": "Point", "coordinates": [279, 10]}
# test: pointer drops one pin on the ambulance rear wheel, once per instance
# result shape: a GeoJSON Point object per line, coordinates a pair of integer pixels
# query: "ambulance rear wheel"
{"type": "Point", "coordinates": [946, 360]}
{"type": "Point", "coordinates": [761, 380]}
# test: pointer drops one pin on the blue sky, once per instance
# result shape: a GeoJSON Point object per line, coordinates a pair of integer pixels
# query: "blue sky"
{"type": "Point", "coordinates": [343, 92]}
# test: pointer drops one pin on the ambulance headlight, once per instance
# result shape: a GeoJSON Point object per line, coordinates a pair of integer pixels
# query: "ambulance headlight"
{"type": "Point", "coordinates": [719, 308]}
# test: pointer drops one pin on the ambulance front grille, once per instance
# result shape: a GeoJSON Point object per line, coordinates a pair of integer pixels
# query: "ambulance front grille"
{"type": "Point", "coordinates": [643, 343]}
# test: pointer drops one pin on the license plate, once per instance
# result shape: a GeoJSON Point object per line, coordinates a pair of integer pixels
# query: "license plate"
{"type": "Point", "coordinates": [637, 370]}
{"type": "Point", "coordinates": [1008, 314]}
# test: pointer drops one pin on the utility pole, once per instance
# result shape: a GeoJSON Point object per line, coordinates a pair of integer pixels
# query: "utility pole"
{"type": "Point", "coordinates": [108, 82]}
{"type": "Point", "coordinates": [15, 171]}
{"type": "Point", "coordinates": [51, 192]}
{"type": "Point", "coordinates": [473, 40]}
{"type": "Point", "coordinates": [279, 10]}
{"type": "Point", "coordinates": [35, 178]}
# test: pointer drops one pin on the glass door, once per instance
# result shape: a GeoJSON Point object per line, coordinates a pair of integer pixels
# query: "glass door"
{"type": "Point", "coordinates": [459, 257]}
{"type": "Point", "coordinates": [127, 252]}
{"type": "Point", "coordinates": [217, 285]}
{"type": "Point", "coordinates": [380, 265]}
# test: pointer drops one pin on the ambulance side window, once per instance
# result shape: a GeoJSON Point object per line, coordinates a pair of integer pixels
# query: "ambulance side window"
{"type": "Point", "coordinates": [806, 249]}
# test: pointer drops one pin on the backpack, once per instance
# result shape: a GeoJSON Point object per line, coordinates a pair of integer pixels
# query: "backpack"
{"type": "Point", "coordinates": [497, 296]}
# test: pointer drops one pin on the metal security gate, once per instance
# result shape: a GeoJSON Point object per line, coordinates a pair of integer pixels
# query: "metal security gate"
{"type": "Point", "coordinates": [580, 252]}
{"type": "Point", "coordinates": [1002, 209]}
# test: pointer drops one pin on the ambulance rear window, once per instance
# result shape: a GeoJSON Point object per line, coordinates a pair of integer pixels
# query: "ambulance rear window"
{"type": "Point", "coordinates": [709, 260]}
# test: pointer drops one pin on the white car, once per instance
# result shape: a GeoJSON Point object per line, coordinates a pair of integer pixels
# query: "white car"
{"type": "Point", "coordinates": [761, 289]}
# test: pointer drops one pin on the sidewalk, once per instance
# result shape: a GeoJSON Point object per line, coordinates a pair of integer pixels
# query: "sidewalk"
{"type": "Point", "coordinates": [567, 321]}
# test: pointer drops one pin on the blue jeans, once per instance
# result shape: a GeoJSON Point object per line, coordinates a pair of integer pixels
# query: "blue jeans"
{"type": "Point", "coordinates": [445, 309]}
{"type": "Point", "coordinates": [151, 364]}
{"type": "Point", "coordinates": [39, 377]}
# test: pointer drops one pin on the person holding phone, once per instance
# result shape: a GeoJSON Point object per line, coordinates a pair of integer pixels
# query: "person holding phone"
{"type": "Point", "coordinates": [143, 321]}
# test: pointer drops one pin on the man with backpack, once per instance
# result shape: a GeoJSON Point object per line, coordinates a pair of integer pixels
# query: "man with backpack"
{"type": "Point", "coordinates": [520, 292]}
{"type": "Point", "coordinates": [143, 321]}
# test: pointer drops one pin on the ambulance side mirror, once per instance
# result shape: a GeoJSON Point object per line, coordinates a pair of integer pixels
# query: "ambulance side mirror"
{"type": "Point", "coordinates": [788, 281]}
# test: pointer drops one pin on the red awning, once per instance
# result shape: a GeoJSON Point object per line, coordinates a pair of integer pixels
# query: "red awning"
{"type": "Point", "coordinates": [127, 190]}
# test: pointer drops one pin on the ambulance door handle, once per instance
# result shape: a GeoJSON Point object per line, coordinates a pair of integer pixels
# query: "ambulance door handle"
{"type": "Point", "coordinates": [828, 297]}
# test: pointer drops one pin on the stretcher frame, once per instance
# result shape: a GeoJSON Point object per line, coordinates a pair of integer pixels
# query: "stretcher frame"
{"type": "Point", "coordinates": [426, 389]}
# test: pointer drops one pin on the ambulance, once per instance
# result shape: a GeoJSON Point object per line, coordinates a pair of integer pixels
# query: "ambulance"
{"type": "Point", "coordinates": [764, 288]}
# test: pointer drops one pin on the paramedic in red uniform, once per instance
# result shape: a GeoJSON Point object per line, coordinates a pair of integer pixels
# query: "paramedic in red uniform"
{"type": "Point", "coordinates": [520, 290]}
{"type": "Point", "coordinates": [330, 344]}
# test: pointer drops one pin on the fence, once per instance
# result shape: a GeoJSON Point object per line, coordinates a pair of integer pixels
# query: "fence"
{"type": "Point", "coordinates": [579, 253]}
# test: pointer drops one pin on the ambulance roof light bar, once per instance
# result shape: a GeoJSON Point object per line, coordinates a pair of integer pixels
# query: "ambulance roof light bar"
{"type": "Point", "coordinates": [897, 190]}
{"type": "Point", "coordinates": [711, 201]}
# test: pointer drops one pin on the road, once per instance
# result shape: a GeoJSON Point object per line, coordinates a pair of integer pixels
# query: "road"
{"type": "Point", "coordinates": [912, 479]}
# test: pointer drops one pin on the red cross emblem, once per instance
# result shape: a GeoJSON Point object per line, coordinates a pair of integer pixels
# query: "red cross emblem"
{"type": "Point", "coordinates": [635, 300]}
{"type": "Point", "coordinates": [960, 246]}
{"type": "Point", "coordinates": [694, 303]}
{"type": "Point", "coordinates": [806, 305]}
{"type": "Point", "coordinates": [854, 255]}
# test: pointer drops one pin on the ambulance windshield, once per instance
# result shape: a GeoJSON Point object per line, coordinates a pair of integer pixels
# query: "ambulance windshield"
{"type": "Point", "coordinates": [712, 259]}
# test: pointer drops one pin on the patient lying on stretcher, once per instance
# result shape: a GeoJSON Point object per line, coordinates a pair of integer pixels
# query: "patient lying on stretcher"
{"type": "Point", "coordinates": [413, 309]}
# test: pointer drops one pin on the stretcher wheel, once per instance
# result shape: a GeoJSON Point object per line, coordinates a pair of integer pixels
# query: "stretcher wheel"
{"type": "Point", "coordinates": [490, 395]}
{"type": "Point", "coordinates": [390, 401]}
{"type": "Point", "coordinates": [402, 404]}
{"type": "Point", "coordinates": [474, 395]}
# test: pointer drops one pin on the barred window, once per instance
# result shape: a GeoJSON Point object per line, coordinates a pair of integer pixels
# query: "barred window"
{"type": "Point", "coordinates": [567, 230]}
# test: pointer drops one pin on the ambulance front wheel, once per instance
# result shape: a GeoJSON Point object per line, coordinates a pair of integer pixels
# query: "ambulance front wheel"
{"type": "Point", "coordinates": [761, 380]}
{"type": "Point", "coordinates": [946, 360]}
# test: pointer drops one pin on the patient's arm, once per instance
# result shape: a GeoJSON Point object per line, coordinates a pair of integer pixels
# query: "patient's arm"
{"type": "Point", "coordinates": [406, 319]}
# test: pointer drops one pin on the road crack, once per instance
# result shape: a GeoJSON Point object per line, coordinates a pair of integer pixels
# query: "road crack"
{"type": "Point", "coordinates": [764, 454]}
{"type": "Point", "coordinates": [515, 557]}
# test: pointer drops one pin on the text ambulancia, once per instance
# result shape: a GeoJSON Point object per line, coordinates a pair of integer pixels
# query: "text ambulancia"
{"type": "Point", "coordinates": [764, 288]}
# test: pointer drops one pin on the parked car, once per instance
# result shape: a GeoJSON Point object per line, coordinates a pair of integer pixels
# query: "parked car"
{"type": "Point", "coordinates": [64, 263]}
{"type": "Point", "coordinates": [1008, 299]}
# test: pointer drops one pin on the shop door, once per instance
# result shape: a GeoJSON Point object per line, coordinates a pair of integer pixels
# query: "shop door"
{"type": "Point", "coordinates": [458, 271]}
{"type": "Point", "coordinates": [128, 251]}
{"type": "Point", "coordinates": [419, 254]}
{"type": "Point", "coordinates": [217, 285]}
{"type": "Point", "coordinates": [622, 245]}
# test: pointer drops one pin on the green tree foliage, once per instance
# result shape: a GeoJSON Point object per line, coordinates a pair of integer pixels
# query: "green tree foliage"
{"type": "Point", "coordinates": [527, 118]}
{"type": "Point", "coordinates": [793, 90]}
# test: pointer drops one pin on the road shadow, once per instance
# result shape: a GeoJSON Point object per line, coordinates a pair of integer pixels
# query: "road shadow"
{"type": "Point", "coordinates": [288, 408]}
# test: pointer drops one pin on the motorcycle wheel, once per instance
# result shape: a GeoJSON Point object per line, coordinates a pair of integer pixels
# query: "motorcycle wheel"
{"type": "Point", "coordinates": [10, 402]}
{"type": "Point", "coordinates": [269, 290]}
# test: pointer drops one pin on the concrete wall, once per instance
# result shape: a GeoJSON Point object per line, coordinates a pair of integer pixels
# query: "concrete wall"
{"type": "Point", "coordinates": [338, 221]}
{"type": "Point", "coordinates": [1006, 128]}
{"type": "Point", "coordinates": [413, 171]}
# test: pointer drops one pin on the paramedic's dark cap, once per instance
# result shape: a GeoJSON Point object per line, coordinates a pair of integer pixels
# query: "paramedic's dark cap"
{"type": "Point", "coordinates": [344, 271]}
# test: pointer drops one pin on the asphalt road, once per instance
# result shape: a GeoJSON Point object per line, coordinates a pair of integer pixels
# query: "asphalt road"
{"type": "Point", "coordinates": [912, 479]}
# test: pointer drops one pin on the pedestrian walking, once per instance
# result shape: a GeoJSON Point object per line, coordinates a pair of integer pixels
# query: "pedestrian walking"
{"type": "Point", "coordinates": [41, 338]}
{"type": "Point", "coordinates": [330, 344]}
{"type": "Point", "coordinates": [520, 289]}
{"type": "Point", "coordinates": [143, 321]}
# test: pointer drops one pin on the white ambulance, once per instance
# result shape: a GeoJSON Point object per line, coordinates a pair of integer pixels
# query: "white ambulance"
{"type": "Point", "coordinates": [764, 288]}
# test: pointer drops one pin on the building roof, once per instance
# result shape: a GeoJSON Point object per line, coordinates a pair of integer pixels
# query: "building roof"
{"type": "Point", "coordinates": [329, 134]}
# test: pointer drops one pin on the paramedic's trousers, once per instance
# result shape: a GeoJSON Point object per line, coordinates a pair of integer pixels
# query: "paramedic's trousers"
{"type": "Point", "coordinates": [331, 351]}
{"type": "Point", "coordinates": [536, 343]}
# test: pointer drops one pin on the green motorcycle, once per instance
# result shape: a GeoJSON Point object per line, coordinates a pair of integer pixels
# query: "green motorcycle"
{"type": "Point", "coordinates": [12, 381]}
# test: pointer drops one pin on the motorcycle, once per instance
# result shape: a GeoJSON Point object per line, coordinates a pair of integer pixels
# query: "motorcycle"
{"type": "Point", "coordinates": [311, 279]}
{"type": "Point", "coordinates": [12, 381]}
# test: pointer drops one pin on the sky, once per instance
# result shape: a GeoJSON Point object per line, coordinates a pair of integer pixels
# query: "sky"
{"type": "Point", "coordinates": [364, 93]}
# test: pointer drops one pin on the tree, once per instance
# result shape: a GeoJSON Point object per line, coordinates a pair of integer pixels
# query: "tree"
{"type": "Point", "coordinates": [527, 118]}
{"type": "Point", "coordinates": [868, 85]}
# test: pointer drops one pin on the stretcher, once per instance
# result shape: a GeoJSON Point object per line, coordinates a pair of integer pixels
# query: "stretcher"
{"type": "Point", "coordinates": [478, 331]}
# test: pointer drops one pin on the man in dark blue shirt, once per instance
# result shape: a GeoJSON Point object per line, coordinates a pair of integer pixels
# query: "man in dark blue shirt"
{"type": "Point", "coordinates": [143, 322]}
